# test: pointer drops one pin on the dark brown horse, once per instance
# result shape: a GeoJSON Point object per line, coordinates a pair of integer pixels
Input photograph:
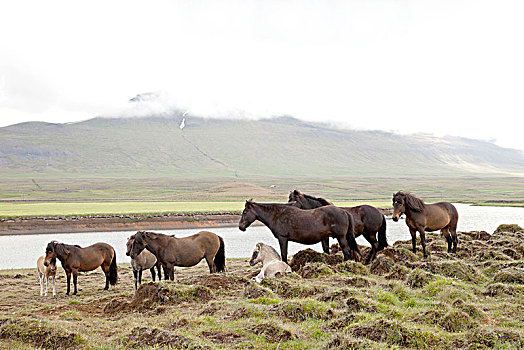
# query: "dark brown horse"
{"type": "Point", "coordinates": [424, 217]}
{"type": "Point", "coordinates": [188, 251]}
{"type": "Point", "coordinates": [75, 259]}
{"type": "Point", "coordinates": [289, 223]}
{"type": "Point", "coordinates": [369, 221]}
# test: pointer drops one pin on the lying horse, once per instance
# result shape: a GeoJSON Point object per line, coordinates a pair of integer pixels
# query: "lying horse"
{"type": "Point", "coordinates": [44, 272]}
{"type": "Point", "coordinates": [369, 221]}
{"type": "Point", "coordinates": [143, 261]}
{"type": "Point", "coordinates": [75, 259]}
{"type": "Point", "coordinates": [289, 223]}
{"type": "Point", "coordinates": [271, 262]}
{"type": "Point", "coordinates": [188, 251]}
{"type": "Point", "coordinates": [424, 217]}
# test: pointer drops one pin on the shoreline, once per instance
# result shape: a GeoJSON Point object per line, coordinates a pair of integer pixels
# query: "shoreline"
{"type": "Point", "coordinates": [107, 223]}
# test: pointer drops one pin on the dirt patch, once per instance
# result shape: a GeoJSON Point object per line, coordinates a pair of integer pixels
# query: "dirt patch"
{"type": "Point", "coordinates": [510, 275]}
{"type": "Point", "coordinates": [382, 265]}
{"type": "Point", "coordinates": [219, 281]}
{"type": "Point", "coordinates": [37, 333]}
{"type": "Point", "coordinates": [357, 305]}
{"type": "Point", "coordinates": [298, 311]}
{"type": "Point", "coordinates": [303, 257]}
{"type": "Point", "coordinates": [141, 337]}
{"type": "Point", "coordinates": [254, 290]}
{"type": "Point", "coordinates": [290, 288]}
{"type": "Point", "coordinates": [222, 337]}
{"type": "Point", "coordinates": [272, 333]}
{"type": "Point", "coordinates": [418, 278]}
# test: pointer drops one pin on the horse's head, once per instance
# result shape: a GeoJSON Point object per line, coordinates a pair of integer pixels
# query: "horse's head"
{"type": "Point", "coordinates": [139, 243]}
{"type": "Point", "coordinates": [294, 195]}
{"type": "Point", "coordinates": [296, 199]}
{"type": "Point", "coordinates": [248, 215]}
{"type": "Point", "coordinates": [50, 253]}
{"type": "Point", "coordinates": [255, 258]}
{"type": "Point", "coordinates": [129, 244]}
{"type": "Point", "coordinates": [399, 205]}
{"type": "Point", "coordinates": [52, 265]}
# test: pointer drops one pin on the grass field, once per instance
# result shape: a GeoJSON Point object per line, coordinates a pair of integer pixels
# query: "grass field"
{"type": "Point", "coordinates": [474, 300]}
{"type": "Point", "coordinates": [52, 197]}
{"type": "Point", "coordinates": [20, 209]}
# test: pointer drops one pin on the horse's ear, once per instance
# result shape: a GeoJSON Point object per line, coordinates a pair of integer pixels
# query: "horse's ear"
{"type": "Point", "coordinates": [249, 202]}
{"type": "Point", "coordinates": [296, 193]}
{"type": "Point", "coordinates": [259, 245]}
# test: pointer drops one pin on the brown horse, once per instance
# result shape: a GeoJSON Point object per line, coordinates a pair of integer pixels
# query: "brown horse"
{"type": "Point", "coordinates": [75, 259]}
{"type": "Point", "coordinates": [289, 223]}
{"type": "Point", "coordinates": [188, 251]}
{"type": "Point", "coordinates": [369, 221]}
{"type": "Point", "coordinates": [424, 217]}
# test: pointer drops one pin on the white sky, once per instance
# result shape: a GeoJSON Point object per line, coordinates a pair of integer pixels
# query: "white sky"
{"type": "Point", "coordinates": [444, 67]}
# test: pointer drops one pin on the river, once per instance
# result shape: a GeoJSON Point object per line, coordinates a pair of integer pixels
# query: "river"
{"type": "Point", "coordinates": [22, 251]}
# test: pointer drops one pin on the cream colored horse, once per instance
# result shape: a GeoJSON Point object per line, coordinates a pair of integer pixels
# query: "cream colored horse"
{"type": "Point", "coordinates": [44, 272]}
{"type": "Point", "coordinates": [272, 264]}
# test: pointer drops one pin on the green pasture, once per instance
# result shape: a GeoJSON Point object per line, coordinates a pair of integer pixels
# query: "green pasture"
{"type": "Point", "coordinates": [17, 209]}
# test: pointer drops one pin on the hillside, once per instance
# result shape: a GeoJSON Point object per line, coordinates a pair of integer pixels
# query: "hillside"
{"type": "Point", "coordinates": [157, 147]}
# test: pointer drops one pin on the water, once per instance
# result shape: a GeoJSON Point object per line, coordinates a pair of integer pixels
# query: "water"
{"type": "Point", "coordinates": [22, 251]}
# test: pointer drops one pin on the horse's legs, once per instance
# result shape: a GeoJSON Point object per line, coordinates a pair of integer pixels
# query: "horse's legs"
{"type": "Point", "coordinates": [455, 240]}
{"type": "Point", "coordinates": [413, 233]}
{"type": "Point", "coordinates": [423, 242]}
{"type": "Point", "coordinates": [41, 280]}
{"type": "Point", "coordinates": [283, 248]}
{"type": "Point", "coordinates": [46, 284]}
{"type": "Point", "coordinates": [325, 245]}
{"type": "Point", "coordinates": [159, 269]}
{"type": "Point", "coordinates": [445, 233]}
{"type": "Point", "coordinates": [153, 274]}
{"type": "Point", "coordinates": [139, 277]}
{"type": "Point", "coordinates": [54, 290]}
{"type": "Point", "coordinates": [75, 276]}
{"type": "Point", "coordinates": [211, 264]}
{"type": "Point", "coordinates": [344, 245]}
{"type": "Point", "coordinates": [374, 246]}
{"type": "Point", "coordinates": [68, 274]}
{"type": "Point", "coordinates": [135, 275]}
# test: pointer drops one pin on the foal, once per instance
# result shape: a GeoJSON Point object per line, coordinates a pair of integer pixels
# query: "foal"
{"type": "Point", "coordinates": [143, 261]}
{"type": "Point", "coordinates": [44, 272]}
{"type": "Point", "coordinates": [272, 264]}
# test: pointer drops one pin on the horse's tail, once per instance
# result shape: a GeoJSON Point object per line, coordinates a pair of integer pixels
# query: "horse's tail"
{"type": "Point", "coordinates": [382, 241]}
{"type": "Point", "coordinates": [220, 257]}
{"type": "Point", "coordinates": [113, 270]}
{"type": "Point", "coordinates": [350, 235]}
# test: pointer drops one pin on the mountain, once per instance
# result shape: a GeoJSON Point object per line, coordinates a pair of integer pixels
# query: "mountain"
{"type": "Point", "coordinates": [277, 147]}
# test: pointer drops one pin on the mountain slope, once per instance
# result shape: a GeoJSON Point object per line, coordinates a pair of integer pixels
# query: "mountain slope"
{"type": "Point", "coordinates": [157, 147]}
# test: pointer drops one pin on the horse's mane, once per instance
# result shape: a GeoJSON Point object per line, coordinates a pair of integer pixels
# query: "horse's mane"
{"type": "Point", "coordinates": [412, 202]}
{"type": "Point", "coordinates": [273, 250]}
{"type": "Point", "coordinates": [318, 199]}
{"type": "Point", "coordinates": [62, 249]}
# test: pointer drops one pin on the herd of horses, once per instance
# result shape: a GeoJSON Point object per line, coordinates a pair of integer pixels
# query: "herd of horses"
{"type": "Point", "coordinates": [303, 219]}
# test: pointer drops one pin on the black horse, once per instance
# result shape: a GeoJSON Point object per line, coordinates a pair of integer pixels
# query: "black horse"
{"type": "Point", "coordinates": [369, 221]}
{"type": "Point", "coordinates": [424, 217]}
{"type": "Point", "coordinates": [289, 223]}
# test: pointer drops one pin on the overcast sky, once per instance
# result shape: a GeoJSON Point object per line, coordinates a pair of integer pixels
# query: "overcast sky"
{"type": "Point", "coordinates": [443, 67]}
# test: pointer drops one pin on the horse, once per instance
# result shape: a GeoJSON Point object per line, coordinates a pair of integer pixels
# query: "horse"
{"type": "Point", "coordinates": [44, 272]}
{"type": "Point", "coordinates": [76, 259]}
{"type": "Point", "coordinates": [171, 251]}
{"type": "Point", "coordinates": [272, 264]}
{"type": "Point", "coordinates": [369, 221]}
{"type": "Point", "coordinates": [143, 261]}
{"type": "Point", "coordinates": [424, 217]}
{"type": "Point", "coordinates": [289, 223]}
